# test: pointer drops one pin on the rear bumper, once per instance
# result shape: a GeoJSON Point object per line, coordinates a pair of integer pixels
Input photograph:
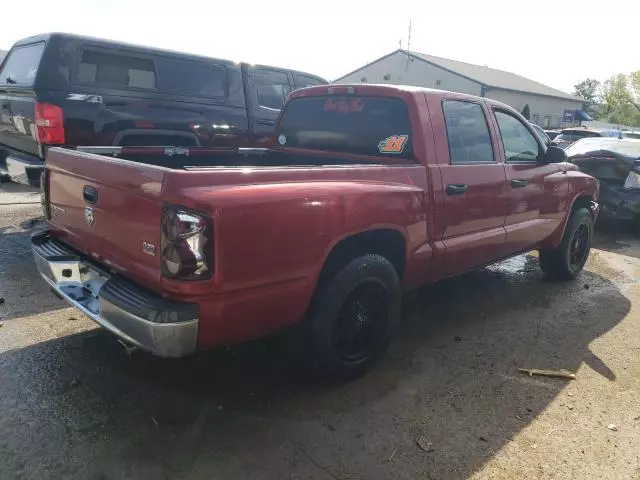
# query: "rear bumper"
{"type": "Point", "coordinates": [21, 168]}
{"type": "Point", "coordinates": [163, 327]}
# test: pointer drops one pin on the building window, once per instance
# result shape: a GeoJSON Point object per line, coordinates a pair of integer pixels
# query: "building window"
{"type": "Point", "coordinates": [547, 122]}
{"type": "Point", "coordinates": [536, 118]}
{"type": "Point", "coordinates": [438, 83]}
{"type": "Point", "coordinates": [558, 120]}
{"type": "Point", "coordinates": [363, 79]}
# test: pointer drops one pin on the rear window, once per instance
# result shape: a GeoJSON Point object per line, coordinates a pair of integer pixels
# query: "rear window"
{"type": "Point", "coordinates": [348, 124]}
{"type": "Point", "coordinates": [21, 65]}
{"type": "Point", "coordinates": [171, 75]}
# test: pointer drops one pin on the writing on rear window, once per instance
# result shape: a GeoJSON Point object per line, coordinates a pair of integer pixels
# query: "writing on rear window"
{"type": "Point", "coordinates": [377, 126]}
{"type": "Point", "coordinates": [343, 106]}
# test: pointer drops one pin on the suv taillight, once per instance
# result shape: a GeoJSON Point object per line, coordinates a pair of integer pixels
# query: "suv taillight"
{"type": "Point", "coordinates": [186, 244]}
{"type": "Point", "coordinates": [49, 124]}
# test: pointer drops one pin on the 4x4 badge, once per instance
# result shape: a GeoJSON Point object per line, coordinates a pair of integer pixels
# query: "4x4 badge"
{"type": "Point", "coordinates": [88, 215]}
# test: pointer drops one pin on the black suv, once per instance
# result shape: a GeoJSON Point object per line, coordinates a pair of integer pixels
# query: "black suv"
{"type": "Point", "coordinates": [60, 89]}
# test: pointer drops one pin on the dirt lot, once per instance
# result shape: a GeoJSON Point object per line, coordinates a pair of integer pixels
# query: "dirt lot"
{"type": "Point", "coordinates": [74, 405]}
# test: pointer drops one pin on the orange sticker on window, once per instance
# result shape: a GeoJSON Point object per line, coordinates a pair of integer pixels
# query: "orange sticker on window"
{"type": "Point", "coordinates": [393, 144]}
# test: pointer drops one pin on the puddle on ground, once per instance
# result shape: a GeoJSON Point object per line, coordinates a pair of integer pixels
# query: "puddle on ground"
{"type": "Point", "coordinates": [519, 265]}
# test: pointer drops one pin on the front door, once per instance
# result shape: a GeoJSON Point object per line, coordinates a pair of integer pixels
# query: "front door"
{"type": "Point", "coordinates": [473, 180]}
{"type": "Point", "coordinates": [534, 187]}
{"type": "Point", "coordinates": [267, 89]}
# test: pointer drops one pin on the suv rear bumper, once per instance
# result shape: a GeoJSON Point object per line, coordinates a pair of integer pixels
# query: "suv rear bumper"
{"type": "Point", "coordinates": [21, 168]}
{"type": "Point", "coordinates": [163, 327]}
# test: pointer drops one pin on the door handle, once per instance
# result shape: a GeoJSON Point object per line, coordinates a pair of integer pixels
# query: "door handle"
{"type": "Point", "coordinates": [90, 194]}
{"type": "Point", "coordinates": [517, 183]}
{"type": "Point", "coordinates": [456, 189]}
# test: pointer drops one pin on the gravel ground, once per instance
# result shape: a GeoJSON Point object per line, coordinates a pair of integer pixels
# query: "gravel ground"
{"type": "Point", "coordinates": [74, 405]}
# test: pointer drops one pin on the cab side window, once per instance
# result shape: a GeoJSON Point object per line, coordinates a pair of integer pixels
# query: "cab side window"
{"type": "Point", "coordinates": [520, 145]}
{"type": "Point", "coordinates": [271, 87]}
{"type": "Point", "coordinates": [467, 133]}
{"type": "Point", "coordinates": [303, 81]}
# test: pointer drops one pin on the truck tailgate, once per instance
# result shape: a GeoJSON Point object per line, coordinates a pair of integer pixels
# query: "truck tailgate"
{"type": "Point", "coordinates": [108, 209]}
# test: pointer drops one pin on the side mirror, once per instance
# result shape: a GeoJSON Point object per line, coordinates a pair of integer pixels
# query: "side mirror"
{"type": "Point", "coordinates": [555, 155]}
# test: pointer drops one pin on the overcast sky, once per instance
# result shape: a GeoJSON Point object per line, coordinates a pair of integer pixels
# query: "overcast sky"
{"type": "Point", "coordinates": [558, 43]}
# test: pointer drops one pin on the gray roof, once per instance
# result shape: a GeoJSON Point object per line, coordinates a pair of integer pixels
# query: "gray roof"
{"type": "Point", "coordinates": [492, 77]}
{"type": "Point", "coordinates": [489, 77]}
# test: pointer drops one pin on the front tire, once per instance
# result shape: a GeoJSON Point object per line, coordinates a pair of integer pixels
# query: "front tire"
{"type": "Point", "coordinates": [567, 260]}
{"type": "Point", "coordinates": [353, 318]}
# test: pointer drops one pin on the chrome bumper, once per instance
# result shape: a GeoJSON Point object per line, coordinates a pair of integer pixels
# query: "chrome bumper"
{"type": "Point", "coordinates": [163, 327]}
{"type": "Point", "coordinates": [21, 171]}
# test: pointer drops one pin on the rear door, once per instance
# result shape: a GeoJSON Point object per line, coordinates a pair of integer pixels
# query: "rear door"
{"type": "Point", "coordinates": [534, 189]}
{"type": "Point", "coordinates": [267, 89]}
{"type": "Point", "coordinates": [473, 178]}
{"type": "Point", "coordinates": [17, 98]}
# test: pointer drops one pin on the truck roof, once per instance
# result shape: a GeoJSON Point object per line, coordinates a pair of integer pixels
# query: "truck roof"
{"type": "Point", "coordinates": [384, 90]}
{"type": "Point", "coordinates": [43, 37]}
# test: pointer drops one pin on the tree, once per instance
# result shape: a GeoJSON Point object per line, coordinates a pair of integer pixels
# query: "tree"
{"type": "Point", "coordinates": [620, 99]}
{"type": "Point", "coordinates": [634, 84]}
{"type": "Point", "coordinates": [589, 91]}
{"type": "Point", "coordinates": [526, 112]}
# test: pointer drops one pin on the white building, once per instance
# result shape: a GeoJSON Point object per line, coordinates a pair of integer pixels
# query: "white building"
{"type": "Point", "coordinates": [547, 105]}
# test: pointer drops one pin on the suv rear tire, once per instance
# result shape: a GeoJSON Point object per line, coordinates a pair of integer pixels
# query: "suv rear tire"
{"type": "Point", "coordinates": [353, 318]}
{"type": "Point", "coordinates": [567, 260]}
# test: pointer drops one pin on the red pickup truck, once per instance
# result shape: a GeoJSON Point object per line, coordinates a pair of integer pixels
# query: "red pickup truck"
{"type": "Point", "coordinates": [368, 191]}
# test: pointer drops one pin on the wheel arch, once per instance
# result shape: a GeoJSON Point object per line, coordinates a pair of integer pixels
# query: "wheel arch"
{"type": "Point", "coordinates": [581, 200]}
{"type": "Point", "coordinates": [387, 242]}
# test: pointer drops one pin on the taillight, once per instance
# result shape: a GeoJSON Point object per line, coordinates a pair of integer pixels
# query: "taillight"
{"type": "Point", "coordinates": [186, 244]}
{"type": "Point", "coordinates": [49, 124]}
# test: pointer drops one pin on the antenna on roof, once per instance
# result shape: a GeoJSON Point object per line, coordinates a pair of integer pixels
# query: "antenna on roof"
{"type": "Point", "coordinates": [408, 47]}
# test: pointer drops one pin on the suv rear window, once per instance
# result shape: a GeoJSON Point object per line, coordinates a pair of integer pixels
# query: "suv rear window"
{"type": "Point", "coordinates": [21, 65]}
{"type": "Point", "coordinates": [348, 124]}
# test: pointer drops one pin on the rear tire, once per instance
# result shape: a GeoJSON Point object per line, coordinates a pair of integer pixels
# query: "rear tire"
{"type": "Point", "coordinates": [352, 318]}
{"type": "Point", "coordinates": [567, 260]}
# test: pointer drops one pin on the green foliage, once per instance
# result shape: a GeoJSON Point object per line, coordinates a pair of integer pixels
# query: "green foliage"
{"type": "Point", "coordinates": [589, 91]}
{"type": "Point", "coordinates": [620, 97]}
{"type": "Point", "coordinates": [526, 112]}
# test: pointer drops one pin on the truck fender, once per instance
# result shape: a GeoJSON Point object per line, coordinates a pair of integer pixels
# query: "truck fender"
{"type": "Point", "coordinates": [580, 200]}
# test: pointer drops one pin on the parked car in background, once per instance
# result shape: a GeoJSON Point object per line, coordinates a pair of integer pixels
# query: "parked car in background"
{"type": "Point", "coordinates": [552, 134]}
{"type": "Point", "coordinates": [627, 134]}
{"type": "Point", "coordinates": [616, 164]}
{"type": "Point", "coordinates": [370, 190]}
{"type": "Point", "coordinates": [542, 134]}
{"type": "Point", "coordinates": [60, 89]}
{"type": "Point", "coordinates": [569, 135]}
